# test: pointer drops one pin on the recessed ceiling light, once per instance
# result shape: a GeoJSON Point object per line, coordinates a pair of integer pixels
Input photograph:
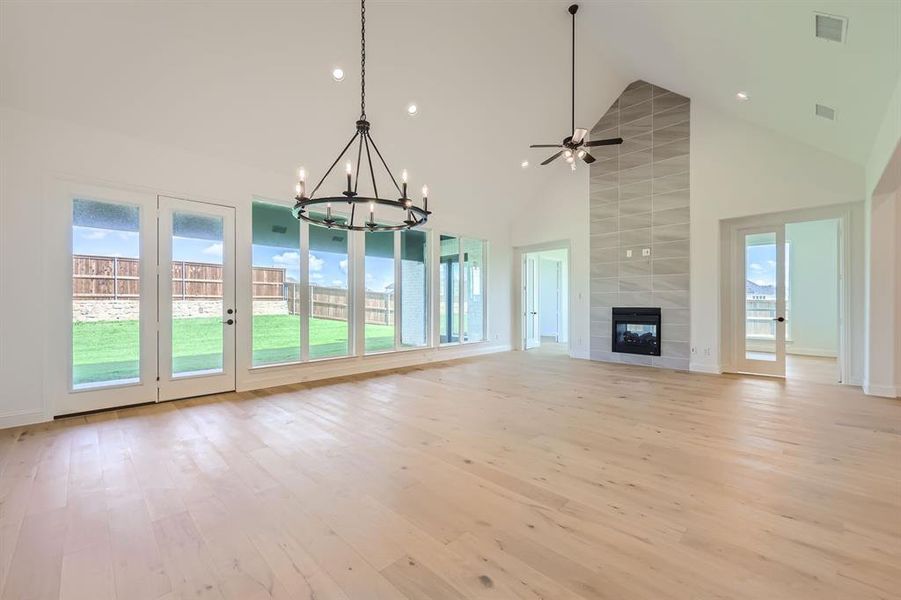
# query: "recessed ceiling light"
{"type": "Point", "coordinates": [742, 96]}
{"type": "Point", "coordinates": [524, 164]}
{"type": "Point", "coordinates": [338, 74]}
{"type": "Point", "coordinates": [412, 109]}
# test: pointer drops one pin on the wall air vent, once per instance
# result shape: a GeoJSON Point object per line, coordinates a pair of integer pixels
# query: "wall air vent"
{"type": "Point", "coordinates": [830, 27]}
{"type": "Point", "coordinates": [825, 112]}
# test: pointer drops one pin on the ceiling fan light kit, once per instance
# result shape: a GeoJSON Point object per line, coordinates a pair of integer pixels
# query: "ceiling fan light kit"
{"type": "Point", "coordinates": [414, 215]}
{"type": "Point", "coordinates": [574, 145]}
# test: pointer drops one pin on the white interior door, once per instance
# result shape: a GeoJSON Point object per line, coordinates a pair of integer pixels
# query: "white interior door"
{"type": "Point", "coordinates": [760, 312]}
{"type": "Point", "coordinates": [531, 324]}
{"type": "Point", "coordinates": [196, 298]}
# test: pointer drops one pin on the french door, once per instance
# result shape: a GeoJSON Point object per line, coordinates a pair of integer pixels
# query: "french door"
{"type": "Point", "coordinates": [759, 291]}
{"type": "Point", "coordinates": [530, 302]}
{"type": "Point", "coordinates": [196, 298]}
{"type": "Point", "coordinates": [152, 313]}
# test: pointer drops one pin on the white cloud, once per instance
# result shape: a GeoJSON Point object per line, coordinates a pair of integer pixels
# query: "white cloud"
{"type": "Point", "coordinates": [95, 234]}
{"type": "Point", "coordinates": [771, 263]}
{"type": "Point", "coordinates": [316, 263]}
{"type": "Point", "coordinates": [337, 283]}
{"type": "Point", "coordinates": [343, 265]}
{"type": "Point", "coordinates": [287, 258]}
{"type": "Point", "coordinates": [316, 276]}
{"type": "Point", "coordinates": [213, 249]}
{"type": "Point", "coordinates": [756, 267]}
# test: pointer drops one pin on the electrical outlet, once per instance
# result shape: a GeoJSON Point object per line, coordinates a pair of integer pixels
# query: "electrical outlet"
{"type": "Point", "coordinates": [645, 251]}
{"type": "Point", "coordinates": [694, 350]}
{"type": "Point", "coordinates": [707, 351]}
{"type": "Point", "coordinates": [628, 254]}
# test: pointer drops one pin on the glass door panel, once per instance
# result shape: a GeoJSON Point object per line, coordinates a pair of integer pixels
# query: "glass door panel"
{"type": "Point", "coordinates": [197, 307]}
{"type": "Point", "coordinates": [449, 290]}
{"type": "Point", "coordinates": [761, 301]}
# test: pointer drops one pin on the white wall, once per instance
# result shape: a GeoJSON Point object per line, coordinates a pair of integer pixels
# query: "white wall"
{"type": "Point", "coordinates": [739, 169]}
{"type": "Point", "coordinates": [36, 152]}
{"type": "Point", "coordinates": [884, 326]}
{"type": "Point", "coordinates": [814, 287]}
{"type": "Point", "coordinates": [559, 211]}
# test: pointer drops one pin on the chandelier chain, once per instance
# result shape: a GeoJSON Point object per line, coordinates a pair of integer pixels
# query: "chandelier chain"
{"type": "Point", "coordinates": [363, 59]}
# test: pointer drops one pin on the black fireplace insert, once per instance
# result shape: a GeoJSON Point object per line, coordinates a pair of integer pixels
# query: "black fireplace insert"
{"type": "Point", "coordinates": [636, 330]}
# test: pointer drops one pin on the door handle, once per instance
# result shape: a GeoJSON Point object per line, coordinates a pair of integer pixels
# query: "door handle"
{"type": "Point", "coordinates": [780, 319]}
{"type": "Point", "coordinates": [229, 322]}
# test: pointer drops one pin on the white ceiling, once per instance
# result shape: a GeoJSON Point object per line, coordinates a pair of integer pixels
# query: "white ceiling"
{"type": "Point", "coordinates": [711, 50]}
{"type": "Point", "coordinates": [250, 81]}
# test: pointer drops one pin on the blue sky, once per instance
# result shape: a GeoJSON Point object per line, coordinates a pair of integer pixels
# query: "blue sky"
{"type": "Point", "coordinates": [762, 264]}
{"type": "Point", "coordinates": [326, 268]}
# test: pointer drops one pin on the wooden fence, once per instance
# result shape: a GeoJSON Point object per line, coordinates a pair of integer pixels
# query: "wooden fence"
{"type": "Point", "coordinates": [113, 278]}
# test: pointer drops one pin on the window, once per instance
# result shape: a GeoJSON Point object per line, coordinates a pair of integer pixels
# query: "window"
{"type": "Point", "coordinates": [414, 297]}
{"type": "Point", "coordinates": [473, 297]}
{"type": "Point", "coordinates": [461, 291]}
{"type": "Point", "coordinates": [449, 290]}
{"type": "Point", "coordinates": [330, 306]}
{"type": "Point", "coordinates": [106, 288]}
{"type": "Point", "coordinates": [276, 285]}
{"type": "Point", "coordinates": [380, 284]}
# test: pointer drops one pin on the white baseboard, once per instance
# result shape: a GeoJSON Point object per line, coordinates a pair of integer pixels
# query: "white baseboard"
{"type": "Point", "coordinates": [266, 377]}
{"type": "Point", "coordinates": [824, 352]}
{"type": "Point", "coordinates": [885, 391]}
{"type": "Point", "coordinates": [702, 367]}
{"type": "Point", "coordinates": [25, 417]}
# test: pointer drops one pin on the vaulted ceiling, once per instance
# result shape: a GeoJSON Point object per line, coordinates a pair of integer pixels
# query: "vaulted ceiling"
{"type": "Point", "coordinates": [251, 81]}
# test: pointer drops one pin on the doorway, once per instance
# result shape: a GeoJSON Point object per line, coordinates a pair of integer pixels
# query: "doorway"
{"type": "Point", "coordinates": [152, 314]}
{"type": "Point", "coordinates": [545, 302]}
{"type": "Point", "coordinates": [788, 300]}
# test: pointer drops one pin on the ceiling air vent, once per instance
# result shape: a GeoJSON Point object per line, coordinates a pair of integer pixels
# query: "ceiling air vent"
{"type": "Point", "coordinates": [825, 112]}
{"type": "Point", "coordinates": [830, 27]}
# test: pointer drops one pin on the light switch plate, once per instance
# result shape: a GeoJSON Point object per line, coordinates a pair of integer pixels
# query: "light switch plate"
{"type": "Point", "coordinates": [645, 251]}
{"type": "Point", "coordinates": [628, 254]}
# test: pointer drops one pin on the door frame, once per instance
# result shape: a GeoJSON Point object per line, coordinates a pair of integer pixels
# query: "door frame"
{"type": "Point", "coordinates": [517, 322]}
{"type": "Point", "coordinates": [850, 219]}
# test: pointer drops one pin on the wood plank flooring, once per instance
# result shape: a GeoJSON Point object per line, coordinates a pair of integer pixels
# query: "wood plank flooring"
{"type": "Point", "coordinates": [510, 476]}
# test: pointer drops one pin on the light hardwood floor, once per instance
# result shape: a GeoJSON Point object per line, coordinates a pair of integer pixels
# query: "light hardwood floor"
{"type": "Point", "coordinates": [519, 475]}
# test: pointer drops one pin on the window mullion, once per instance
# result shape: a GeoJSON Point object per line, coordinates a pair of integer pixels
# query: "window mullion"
{"type": "Point", "coordinates": [304, 320]}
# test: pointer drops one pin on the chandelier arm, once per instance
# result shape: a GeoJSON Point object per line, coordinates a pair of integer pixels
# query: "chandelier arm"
{"type": "Point", "coordinates": [359, 155]}
{"type": "Point", "coordinates": [353, 211]}
{"type": "Point", "coordinates": [371, 170]}
{"type": "Point", "coordinates": [390, 174]}
{"type": "Point", "coordinates": [334, 163]}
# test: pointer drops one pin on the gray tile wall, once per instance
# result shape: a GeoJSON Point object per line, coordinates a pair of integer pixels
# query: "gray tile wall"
{"type": "Point", "coordinates": [639, 195]}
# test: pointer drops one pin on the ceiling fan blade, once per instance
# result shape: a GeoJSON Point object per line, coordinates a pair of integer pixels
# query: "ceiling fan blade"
{"type": "Point", "coordinates": [545, 146]}
{"type": "Point", "coordinates": [610, 142]}
{"type": "Point", "coordinates": [552, 158]}
{"type": "Point", "coordinates": [588, 158]}
{"type": "Point", "coordinates": [579, 135]}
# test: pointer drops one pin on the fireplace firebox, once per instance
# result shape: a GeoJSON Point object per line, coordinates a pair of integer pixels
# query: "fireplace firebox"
{"type": "Point", "coordinates": [636, 330]}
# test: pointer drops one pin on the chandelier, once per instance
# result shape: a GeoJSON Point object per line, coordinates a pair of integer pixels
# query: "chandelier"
{"type": "Point", "coordinates": [411, 214]}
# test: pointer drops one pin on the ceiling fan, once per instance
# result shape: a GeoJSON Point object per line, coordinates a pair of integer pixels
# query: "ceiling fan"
{"type": "Point", "coordinates": [574, 146]}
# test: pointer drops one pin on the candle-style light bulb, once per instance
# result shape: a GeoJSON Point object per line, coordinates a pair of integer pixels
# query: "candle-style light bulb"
{"type": "Point", "coordinates": [403, 176]}
{"type": "Point", "coordinates": [349, 168]}
{"type": "Point", "coordinates": [425, 198]}
{"type": "Point", "coordinates": [301, 182]}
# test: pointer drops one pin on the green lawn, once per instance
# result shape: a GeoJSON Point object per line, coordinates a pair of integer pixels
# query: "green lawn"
{"type": "Point", "coordinates": [108, 350]}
